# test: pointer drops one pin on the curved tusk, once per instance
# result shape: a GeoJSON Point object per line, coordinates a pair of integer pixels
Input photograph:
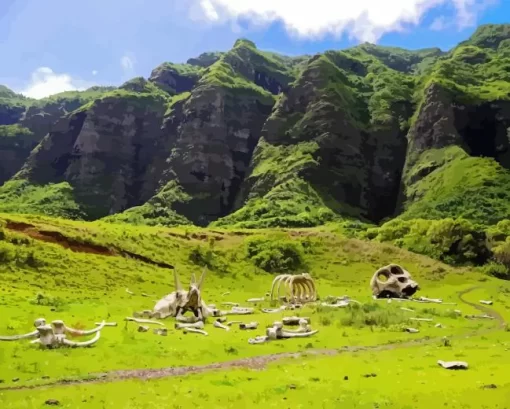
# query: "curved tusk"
{"type": "Point", "coordinates": [89, 332]}
{"type": "Point", "coordinates": [298, 335]}
{"type": "Point", "coordinates": [16, 337]}
{"type": "Point", "coordinates": [82, 344]}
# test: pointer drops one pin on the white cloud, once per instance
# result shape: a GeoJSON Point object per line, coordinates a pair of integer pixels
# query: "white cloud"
{"type": "Point", "coordinates": [363, 20]}
{"type": "Point", "coordinates": [439, 24]}
{"type": "Point", "coordinates": [45, 82]}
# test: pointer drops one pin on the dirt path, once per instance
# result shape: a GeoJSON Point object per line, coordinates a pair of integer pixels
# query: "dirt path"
{"type": "Point", "coordinates": [259, 362]}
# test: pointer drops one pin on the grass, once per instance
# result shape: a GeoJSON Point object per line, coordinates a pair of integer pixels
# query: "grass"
{"type": "Point", "coordinates": [43, 279]}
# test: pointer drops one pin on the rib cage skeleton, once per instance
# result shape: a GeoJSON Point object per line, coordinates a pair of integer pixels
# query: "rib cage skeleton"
{"type": "Point", "coordinates": [299, 288]}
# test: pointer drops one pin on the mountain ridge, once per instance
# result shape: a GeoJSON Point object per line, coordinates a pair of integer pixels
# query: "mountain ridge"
{"type": "Point", "coordinates": [256, 139]}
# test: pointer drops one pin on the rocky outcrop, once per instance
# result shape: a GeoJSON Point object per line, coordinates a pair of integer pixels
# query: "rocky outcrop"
{"type": "Point", "coordinates": [173, 78]}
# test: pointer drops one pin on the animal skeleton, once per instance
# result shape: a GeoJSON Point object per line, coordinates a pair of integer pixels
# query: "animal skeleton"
{"type": "Point", "coordinates": [55, 336]}
{"type": "Point", "coordinates": [398, 283]}
{"type": "Point", "coordinates": [177, 303]}
{"type": "Point", "coordinates": [299, 288]}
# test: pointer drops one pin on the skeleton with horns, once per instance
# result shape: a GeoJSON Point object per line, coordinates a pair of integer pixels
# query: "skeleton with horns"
{"type": "Point", "coordinates": [180, 301]}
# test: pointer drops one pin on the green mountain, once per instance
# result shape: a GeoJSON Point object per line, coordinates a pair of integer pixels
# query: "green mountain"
{"type": "Point", "coordinates": [256, 139]}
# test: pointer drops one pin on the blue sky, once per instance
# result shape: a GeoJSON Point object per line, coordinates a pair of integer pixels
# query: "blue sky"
{"type": "Point", "coordinates": [51, 45]}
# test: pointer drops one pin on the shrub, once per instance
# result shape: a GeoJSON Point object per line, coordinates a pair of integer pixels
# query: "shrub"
{"type": "Point", "coordinates": [497, 270]}
{"type": "Point", "coordinates": [275, 255]}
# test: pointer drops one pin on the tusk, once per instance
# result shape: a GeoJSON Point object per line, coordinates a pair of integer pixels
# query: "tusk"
{"type": "Point", "coordinates": [82, 344]}
{"type": "Point", "coordinates": [129, 292]}
{"type": "Point", "coordinates": [89, 332]}
{"type": "Point", "coordinates": [255, 299]}
{"type": "Point", "coordinates": [16, 337]}
{"type": "Point", "coordinates": [297, 335]}
{"type": "Point", "coordinates": [177, 282]}
{"type": "Point", "coordinates": [196, 325]}
{"type": "Point", "coordinates": [142, 321]}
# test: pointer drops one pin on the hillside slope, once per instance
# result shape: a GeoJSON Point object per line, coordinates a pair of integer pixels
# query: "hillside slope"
{"type": "Point", "coordinates": [255, 139]}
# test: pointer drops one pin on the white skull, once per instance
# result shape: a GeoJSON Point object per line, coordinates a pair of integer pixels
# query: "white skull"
{"type": "Point", "coordinates": [39, 322]}
{"type": "Point", "coordinates": [393, 281]}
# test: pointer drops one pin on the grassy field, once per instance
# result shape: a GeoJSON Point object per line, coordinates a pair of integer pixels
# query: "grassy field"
{"type": "Point", "coordinates": [79, 272]}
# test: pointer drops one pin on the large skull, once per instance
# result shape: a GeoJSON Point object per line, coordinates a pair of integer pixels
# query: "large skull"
{"type": "Point", "coordinates": [393, 281]}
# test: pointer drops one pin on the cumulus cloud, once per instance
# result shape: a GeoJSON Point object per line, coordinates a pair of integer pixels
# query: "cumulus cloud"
{"type": "Point", "coordinates": [362, 20]}
{"type": "Point", "coordinates": [45, 82]}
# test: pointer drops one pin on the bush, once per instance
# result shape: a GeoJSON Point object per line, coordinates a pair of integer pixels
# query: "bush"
{"type": "Point", "coordinates": [275, 255]}
{"type": "Point", "coordinates": [497, 270]}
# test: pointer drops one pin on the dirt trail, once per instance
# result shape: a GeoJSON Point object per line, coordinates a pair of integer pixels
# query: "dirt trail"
{"type": "Point", "coordinates": [259, 362]}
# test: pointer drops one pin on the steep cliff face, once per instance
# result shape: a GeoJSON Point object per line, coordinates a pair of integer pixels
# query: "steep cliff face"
{"type": "Point", "coordinates": [254, 139]}
{"type": "Point", "coordinates": [103, 151]}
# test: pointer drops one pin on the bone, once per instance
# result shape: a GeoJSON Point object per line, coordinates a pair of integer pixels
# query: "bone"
{"type": "Point", "coordinates": [422, 319]}
{"type": "Point", "coordinates": [241, 311]}
{"type": "Point", "coordinates": [129, 292]}
{"type": "Point", "coordinates": [453, 364]}
{"type": "Point", "coordinates": [249, 325]}
{"type": "Point", "coordinates": [221, 319]}
{"type": "Point", "coordinates": [196, 325]}
{"type": "Point", "coordinates": [258, 340]}
{"type": "Point", "coordinates": [411, 330]}
{"type": "Point", "coordinates": [32, 334]}
{"type": "Point", "coordinates": [231, 304]}
{"type": "Point", "coordinates": [294, 320]}
{"type": "Point", "coordinates": [107, 324]}
{"type": "Point", "coordinates": [80, 332]}
{"type": "Point", "coordinates": [256, 299]}
{"type": "Point", "coordinates": [147, 295]}
{"type": "Point", "coordinates": [438, 325]}
{"type": "Point", "coordinates": [142, 321]}
{"type": "Point", "coordinates": [485, 302]}
{"type": "Point", "coordinates": [225, 293]}
{"type": "Point", "coordinates": [339, 304]}
{"type": "Point", "coordinates": [82, 344]}
{"type": "Point", "coordinates": [406, 309]}
{"type": "Point", "coordinates": [234, 322]}
{"type": "Point", "coordinates": [196, 331]}
{"type": "Point", "coordinates": [273, 310]}
{"type": "Point", "coordinates": [217, 324]}
{"type": "Point", "coordinates": [431, 300]}
{"type": "Point", "coordinates": [160, 331]}
{"type": "Point", "coordinates": [143, 328]}
{"type": "Point", "coordinates": [457, 311]}
{"type": "Point", "coordinates": [398, 282]}
{"type": "Point", "coordinates": [486, 316]}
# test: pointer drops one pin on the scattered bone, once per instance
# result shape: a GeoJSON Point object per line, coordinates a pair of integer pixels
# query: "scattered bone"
{"type": "Point", "coordinates": [143, 328]}
{"type": "Point", "coordinates": [486, 302]}
{"type": "Point", "coordinates": [277, 332]}
{"type": "Point", "coordinates": [338, 304]}
{"type": "Point", "coordinates": [398, 282]}
{"type": "Point", "coordinates": [221, 319]}
{"type": "Point", "coordinates": [147, 295]}
{"type": "Point", "coordinates": [273, 310]}
{"type": "Point", "coordinates": [196, 331]}
{"type": "Point", "coordinates": [217, 324]}
{"type": "Point", "coordinates": [249, 325]}
{"type": "Point", "coordinates": [160, 331]}
{"type": "Point", "coordinates": [256, 299]}
{"type": "Point", "coordinates": [411, 330]}
{"type": "Point", "coordinates": [129, 292]}
{"type": "Point", "coordinates": [234, 322]}
{"type": "Point", "coordinates": [490, 317]}
{"type": "Point", "coordinates": [406, 309]}
{"type": "Point", "coordinates": [453, 364]}
{"type": "Point", "coordinates": [240, 311]}
{"type": "Point", "coordinates": [196, 325]}
{"type": "Point", "coordinates": [303, 327]}
{"type": "Point", "coordinates": [107, 324]}
{"type": "Point", "coordinates": [143, 321]}
{"type": "Point", "coordinates": [457, 311]}
{"type": "Point", "coordinates": [225, 293]}
{"type": "Point", "coordinates": [438, 325]}
{"type": "Point", "coordinates": [184, 319]}
{"type": "Point", "coordinates": [294, 320]}
{"type": "Point", "coordinates": [422, 319]}
{"type": "Point", "coordinates": [231, 304]}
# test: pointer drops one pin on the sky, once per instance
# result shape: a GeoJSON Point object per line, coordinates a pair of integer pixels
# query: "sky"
{"type": "Point", "coordinates": [50, 46]}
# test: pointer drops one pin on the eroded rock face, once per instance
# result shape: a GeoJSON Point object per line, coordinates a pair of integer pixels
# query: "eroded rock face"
{"type": "Point", "coordinates": [213, 149]}
{"type": "Point", "coordinates": [168, 78]}
{"type": "Point", "coordinates": [102, 152]}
